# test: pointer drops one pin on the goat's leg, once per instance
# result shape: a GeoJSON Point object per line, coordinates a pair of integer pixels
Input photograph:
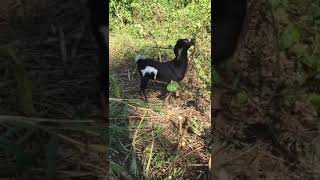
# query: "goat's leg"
{"type": "Point", "coordinates": [101, 39]}
{"type": "Point", "coordinates": [103, 88]}
{"type": "Point", "coordinates": [168, 98]}
{"type": "Point", "coordinates": [98, 20]}
{"type": "Point", "coordinates": [153, 84]}
{"type": "Point", "coordinates": [143, 87]}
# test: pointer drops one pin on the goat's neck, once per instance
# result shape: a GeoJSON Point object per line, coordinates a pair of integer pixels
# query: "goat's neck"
{"type": "Point", "coordinates": [181, 59]}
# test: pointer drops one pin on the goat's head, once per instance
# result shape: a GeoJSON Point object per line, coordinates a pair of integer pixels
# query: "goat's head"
{"type": "Point", "coordinates": [183, 44]}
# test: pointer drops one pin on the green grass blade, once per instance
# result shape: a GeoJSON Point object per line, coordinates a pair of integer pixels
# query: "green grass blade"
{"type": "Point", "coordinates": [24, 85]}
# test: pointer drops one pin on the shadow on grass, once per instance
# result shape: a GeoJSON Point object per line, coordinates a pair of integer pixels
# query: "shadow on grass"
{"type": "Point", "coordinates": [64, 141]}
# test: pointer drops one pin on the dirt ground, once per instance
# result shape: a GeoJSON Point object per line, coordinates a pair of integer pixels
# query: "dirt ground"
{"type": "Point", "coordinates": [263, 128]}
{"type": "Point", "coordinates": [193, 105]}
{"type": "Point", "coordinates": [259, 130]}
{"type": "Point", "coordinates": [53, 44]}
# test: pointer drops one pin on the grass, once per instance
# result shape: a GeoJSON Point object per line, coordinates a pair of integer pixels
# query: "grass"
{"type": "Point", "coordinates": [267, 123]}
{"type": "Point", "coordinates": [148, 139]}
{"type": "Point", "coordinates": [299, 42]}
{"type": "Point", "coordinates": [60, 137]}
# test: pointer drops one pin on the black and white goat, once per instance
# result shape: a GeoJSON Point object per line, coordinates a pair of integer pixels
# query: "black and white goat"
{"type": "Point", "coordinates": [174, 70]}
{"type": "Point", "coordinates": [98, 19]}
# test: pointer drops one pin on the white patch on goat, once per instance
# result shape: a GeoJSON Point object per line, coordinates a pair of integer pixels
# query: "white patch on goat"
{"type": "Point", "coordinates": [150, 70]}
{"type": "Point", "coordinates": [103, 30]}
{"type": "Point", "coordinates": [138, 56]}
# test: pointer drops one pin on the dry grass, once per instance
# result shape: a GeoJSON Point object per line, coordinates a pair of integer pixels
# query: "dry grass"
{"type": "Point", "coordinates": [55, 62]}
{"type": "Point", "coordinates": [159, 143]}
{"type": "Point", "coordinates": [273, 134]}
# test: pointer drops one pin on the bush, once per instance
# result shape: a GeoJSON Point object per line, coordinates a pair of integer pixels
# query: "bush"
{"type": "Point", "coordinates": [162, 22]}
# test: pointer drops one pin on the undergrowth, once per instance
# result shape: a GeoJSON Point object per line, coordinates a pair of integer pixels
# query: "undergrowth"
{"type": "Point", "coordinates": [145, 26]}
{"type": "Point", "coordinates": [46, 131]}
{"type": "Point", "coordinates": [140, 144]}
{"type": "Point", "coordinates": [299, 39]}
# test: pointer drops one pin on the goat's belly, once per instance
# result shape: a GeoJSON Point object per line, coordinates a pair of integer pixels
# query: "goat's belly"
{"type": "Point", "coordinates": [167, 78]}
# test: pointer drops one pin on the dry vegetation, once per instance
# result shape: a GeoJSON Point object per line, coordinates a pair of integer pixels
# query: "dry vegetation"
{"type": "Point", "coordinates": [48, 66]}
{"type": "Point", "coordinates": [264, 126]}
{"type": "Point", "coordinates": [149, 140]}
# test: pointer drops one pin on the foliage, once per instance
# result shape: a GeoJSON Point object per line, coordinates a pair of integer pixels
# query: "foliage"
{"type": "Point", "coordinates": [289, 36]}
{"type": "Point", "coordinates": [172, 86]}
{"type": "Point", "coordinates": [115, 86]}
{"type": "Point", "coordinates": [152, 28]}
{"type": "Point", "coordinates": [315, 100]}
{"type": "Point", "coordinates": [299, 39]}
{"type": "Point", "coordinates": [24, 84]}
{"type": "Point", "coordinates": [162, 22]}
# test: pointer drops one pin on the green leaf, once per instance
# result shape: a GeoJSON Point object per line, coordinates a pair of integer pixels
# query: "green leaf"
{"type": "Point", "coordinates": [201, 73]}
{"type": "Point", "coordinates": [289, 37]}
{"type": "Point", "coordinates": [312, 61]}
{"type": "Point", "coordinates": [173, 86]}
{"type": "Point", "coordinates": [158, 109]}
{"type": "Point", "coordinates": [24, 89]}
{"type": "Point", "coordinates": [242, 98]}
{"type": "Point", "coordinates": [315, 100]}
{"type": "Point", "coordinates": [116, 87]}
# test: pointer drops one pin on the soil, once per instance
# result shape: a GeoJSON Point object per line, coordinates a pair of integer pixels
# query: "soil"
{"type": "Point", "coordinates": [272, 133]}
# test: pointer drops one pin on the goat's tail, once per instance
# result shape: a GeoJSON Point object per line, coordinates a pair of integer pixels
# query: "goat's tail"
{"type": "Point", "coordinates": [138, 57]}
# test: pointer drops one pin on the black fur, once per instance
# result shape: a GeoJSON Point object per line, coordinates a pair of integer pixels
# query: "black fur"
{"type": "Point", "coordinates": [173, 70]}
{"type": "Point", "coordinates": [98, 11]}
{"type": "Point", "coordinates": [98, 18]}
{"type": "Point", "coordinates": [227, 25]}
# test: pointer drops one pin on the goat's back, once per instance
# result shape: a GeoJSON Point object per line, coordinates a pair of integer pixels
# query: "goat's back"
{"type": "Point", "coordinates": [167, 71]}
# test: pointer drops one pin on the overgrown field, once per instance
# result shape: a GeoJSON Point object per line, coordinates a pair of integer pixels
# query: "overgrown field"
{"type": "Point", "coordinates": [267, 121]}
{"type": "Point", "coordinates": [48, 68]}
{"type": "Point", "coordinates": [159, 139]}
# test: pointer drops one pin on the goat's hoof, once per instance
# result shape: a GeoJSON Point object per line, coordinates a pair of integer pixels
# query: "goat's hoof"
{"type": "Point", "coordinates": [144, 99]}
{"type": "Point", "coordinates": [177, 93]}
{"type": "Point", "coordinates": [167, 99]}
{"type": "Point", "coordinates": [143, 96]}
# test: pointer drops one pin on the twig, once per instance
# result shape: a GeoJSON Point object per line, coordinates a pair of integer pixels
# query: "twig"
{"type": "Point", "coordinates": [120, 100]}
{"type": "Point", "coordinates": [150, 155]}
{"type": "Point", "coordinates": [157, 47]}
{"type": "Point", "coordinates": [76, 44]}
{"type": "Point", "coordinates": [160, 57]}
{"type": "Point", "coordinates": [241, 154]}
{"type": "Point", "coordinates": [198, 165]}
{"type": "Point", "coordinates": [136, 132]}
{"type": "Point", "coordinates": [40, 120]}
{"type": "Point", "coordinates": [62, 45]}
